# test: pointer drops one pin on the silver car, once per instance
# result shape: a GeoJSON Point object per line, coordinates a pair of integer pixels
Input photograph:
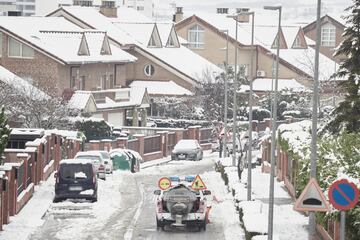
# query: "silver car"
{"type": "Point", "coordinates": [97, 161]}
{"type": "Point", "coordinates": [189, 149]}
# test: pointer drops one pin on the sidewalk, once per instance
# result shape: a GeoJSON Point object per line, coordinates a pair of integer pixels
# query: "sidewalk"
{"type": "Point", "coordinates": [288, 224]}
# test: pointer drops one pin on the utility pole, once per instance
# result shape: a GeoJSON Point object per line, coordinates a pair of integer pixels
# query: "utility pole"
{"type": "Point", "coordinates": [312, 223]}
{"type": "Point", "coordinates": [250, 109]}
{"type": "Point", "coordinates": [226, 92]}
{"type": "Point", "coordinates": [273, 125]}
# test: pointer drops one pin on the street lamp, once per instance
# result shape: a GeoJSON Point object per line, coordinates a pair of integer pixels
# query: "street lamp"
{"type": "Point", "coordinates": [251, 78]}
{"type": "Point", "coordinates": [272, 173]}
{"type": "Point", "coordinates": [226, 91]}
{"type": "Point", "coordinates": [241, 16]}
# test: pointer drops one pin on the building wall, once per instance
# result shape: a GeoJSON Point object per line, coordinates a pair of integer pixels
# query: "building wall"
{"type": "Point", "coordinates": [328, 51]}
{"type": "Point", "coordinates": [214, 51]}
{"type": "Point", "coordinates": [41, 68]}
{"type": "Point", "coordinates": [135, 71]}
{"type": "Point", "coordinates": [48, 72]}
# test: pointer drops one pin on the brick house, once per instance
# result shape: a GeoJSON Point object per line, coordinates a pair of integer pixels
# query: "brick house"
{"type": "Point", "coordinates": [331, 35]}
{"type": "Point", "coordinates": [157, 47]}
{"type": "Point", "coordinates": [206, 36]}
{"type": "Point", "coordinates": [59, 55]}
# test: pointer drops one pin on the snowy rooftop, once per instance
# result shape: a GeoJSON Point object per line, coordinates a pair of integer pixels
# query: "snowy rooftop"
{"type": "Point", "coordinates": [162, 88]}
{"type": "Point", "coordinates": [62, 39]}
{"type": "Point", "coordinates": [79, 99]}
{"type": "Point", "coordinates": [27, 131]}
{"type": "Point", "coordinates": [267, 84]}
{"type": "Point", "coordinates": [265, 35]}
{"type": "Point", "coordinates": [118, 29]}
{"type": "Point", "coordinates": [136, 97]}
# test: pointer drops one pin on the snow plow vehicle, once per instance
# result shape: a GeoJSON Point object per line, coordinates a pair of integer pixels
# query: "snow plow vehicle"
{"type": "Point", "coordinates": [180, 206]}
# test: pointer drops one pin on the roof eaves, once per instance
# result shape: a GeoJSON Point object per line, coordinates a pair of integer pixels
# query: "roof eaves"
{"type": "Point", "coordinates": [165, 63]}
{"type": "Point", "coordinates": [17, 37]}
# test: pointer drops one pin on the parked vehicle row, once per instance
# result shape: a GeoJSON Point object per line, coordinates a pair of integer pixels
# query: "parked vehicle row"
{"type": "Point", "coordinates": [78, 178]}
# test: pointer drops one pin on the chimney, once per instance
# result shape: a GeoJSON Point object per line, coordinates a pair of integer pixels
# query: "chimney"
{"type": "Point", "coordinates": [178, 16]}
{"type": "Point", "coordinates": [108, 8]}
{"type": "Point", "coordinates": [222, 10]}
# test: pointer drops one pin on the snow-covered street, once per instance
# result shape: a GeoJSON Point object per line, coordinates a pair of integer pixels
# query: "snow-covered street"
{"type": "Point", "coordinates": [125, 209]}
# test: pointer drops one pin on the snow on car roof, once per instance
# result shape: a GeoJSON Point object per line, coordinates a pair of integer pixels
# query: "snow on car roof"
{"type": "Point", "coordinates": [89, 153]}
{"type": "Point", "coordinates": [75, 161]}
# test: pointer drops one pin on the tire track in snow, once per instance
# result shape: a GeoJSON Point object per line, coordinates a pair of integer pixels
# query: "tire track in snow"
{"type": "Point", "coordinates": [129, 232]}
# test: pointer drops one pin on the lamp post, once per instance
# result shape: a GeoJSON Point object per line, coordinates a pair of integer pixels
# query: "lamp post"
{"type": "Point", "coordinates": [273, 126]}
{"type": "Point", "coordinates": [241, 16]}
{"type": "Point", "coordinates": [313, 156]}
{"type": "Point", "coordinates": [226, 91]}
{"type": "Point", "coordinates": [251, 78]}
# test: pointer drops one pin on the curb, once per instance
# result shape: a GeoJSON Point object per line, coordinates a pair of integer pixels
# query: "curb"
{"type": "Point", "coordinates": [158, 163]}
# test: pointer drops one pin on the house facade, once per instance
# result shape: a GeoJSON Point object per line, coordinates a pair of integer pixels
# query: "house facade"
{"type": "Point", "coordinates": [331, 35]}
{"type": "Point", "coordinates": [55, 53]}
{"type": "Point", "coordinates": [160, 56]}
{"type": "Point", "coordinates": [207, 35]}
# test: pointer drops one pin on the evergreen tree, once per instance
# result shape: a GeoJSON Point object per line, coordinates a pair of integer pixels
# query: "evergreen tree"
{"type": "Point", "coordinates": [347, 114]}
{"type": "Point", "coordinates": [4, 131]}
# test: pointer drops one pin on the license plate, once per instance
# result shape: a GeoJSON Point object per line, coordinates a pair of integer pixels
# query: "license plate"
{"type": "Point", "coordinates": [182, 156]}
{"type": "Point", "coordinates": [75, 188]}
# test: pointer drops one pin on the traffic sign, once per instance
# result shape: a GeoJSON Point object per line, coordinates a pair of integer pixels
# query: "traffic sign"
{"type": "Point", "coordinates": [343, 194]}
{"type": "Point", "coordinates": [312, 199]}
{"type": "Point", "coordinates": [198, 183]}
{"type": "Point", "coordinates": [164, 183]}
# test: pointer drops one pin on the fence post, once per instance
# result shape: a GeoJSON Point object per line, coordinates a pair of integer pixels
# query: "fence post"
{"type": "Point", "coordinates": [94, 144]}
{"type": "Point", "coordinates": [179, 134]}
{"type": "Point", "coordinates": [164, 142]}
{"type": "Point", "coordinates": [140, 138]}
{"type": "Point", "coordinates": [194, 132]}
{"type": "Point", "coordinates": [122, 142]}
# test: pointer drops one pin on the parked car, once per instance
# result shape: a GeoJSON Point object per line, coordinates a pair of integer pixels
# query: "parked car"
{"type": "Point", "coordinates": [97, 160]}
{"type": "Point", "coordinates": [108, 162]}
{"type": "Point", "coordinates": [187, 149]}
{"type": "Point", "coordinates": [76, 179]}
{"type": "Point", "coordinates": [181, 206]}
{"type": "Point", "coordinates": [126, 159]}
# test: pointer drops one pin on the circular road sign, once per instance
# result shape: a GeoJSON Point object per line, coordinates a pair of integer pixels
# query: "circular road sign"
{"type": "Point", "coordinates": [343, 194]}
{"type": "Point", "coordinates": [164, 183]}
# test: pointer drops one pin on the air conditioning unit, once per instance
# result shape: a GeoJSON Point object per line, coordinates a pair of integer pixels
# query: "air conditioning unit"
{"type": "Point", "coordinates": [260, 73]}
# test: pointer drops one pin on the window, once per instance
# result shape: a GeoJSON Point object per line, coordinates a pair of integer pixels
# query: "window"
{"type": "Point", "coordinates": [328, 36]}
{"type": "Point", "coordinates": [0, 44]}
{"type": "Point", "coordinates": [19, 50]}
{"type": "Point", "coordinates": [149, 70]}
{"type": "Point", "coordinates": [111, 81]}
{"type": "Point", "coordinates": [74, 75]}
{"type": "Point", "coordinates": [140, 8]}
{"type": "Point", "coordinates": [196, 37]}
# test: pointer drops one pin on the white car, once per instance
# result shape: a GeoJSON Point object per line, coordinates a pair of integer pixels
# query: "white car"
{"type": "Point", "coordinates": [97, 160]}
{"type": "Point", "coordinates": [187, 149]}
{"type": "Point", "coordinates": [107, 160]}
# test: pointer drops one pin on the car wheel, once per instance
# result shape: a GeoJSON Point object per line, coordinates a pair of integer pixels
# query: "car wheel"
{"type": "Point", "coordinates": [159, 225]}
{"type": "Point", "coordinates": [94, 199]}
{"type": "Point", "coordinates": [204, 225]}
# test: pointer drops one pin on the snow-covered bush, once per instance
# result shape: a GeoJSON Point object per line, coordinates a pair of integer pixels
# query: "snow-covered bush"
{"type": "Point", "coordinates": [93, 128]}
{"type": "Point", "coordinates": [336, 156]}
{"type": "Point", "coordinates": [4, 132]}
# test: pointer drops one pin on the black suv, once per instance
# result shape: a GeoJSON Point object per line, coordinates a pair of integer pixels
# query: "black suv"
{"type": "Point", "coordinates": [75, 179]}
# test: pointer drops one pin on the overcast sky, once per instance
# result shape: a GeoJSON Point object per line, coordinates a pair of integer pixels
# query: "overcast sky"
{"type": "Point", "coordinates": [305, 9]}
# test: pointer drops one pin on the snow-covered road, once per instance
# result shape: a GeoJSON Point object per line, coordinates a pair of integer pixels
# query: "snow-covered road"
{"type": "Point", "coordinates": [126, 209]}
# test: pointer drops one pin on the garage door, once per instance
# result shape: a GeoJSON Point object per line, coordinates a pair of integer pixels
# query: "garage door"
{"type": "Point", "coordinates": [116, 119]}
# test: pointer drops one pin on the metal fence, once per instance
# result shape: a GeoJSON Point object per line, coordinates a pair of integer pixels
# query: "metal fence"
{"type": "Point", "coordinates": [171, 141]}
{"type": "Point", "coordinates": [205, 135]}
{"type": "Point", "coordinates": [133, 145]}
{"type": "Point", "coordinates": [20, 178]}
{"type": "Point", "coordinates": [152, 144]}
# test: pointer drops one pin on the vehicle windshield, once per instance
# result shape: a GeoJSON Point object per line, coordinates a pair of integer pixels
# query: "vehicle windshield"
{"type": "Point", "coordinates": [75, 171]}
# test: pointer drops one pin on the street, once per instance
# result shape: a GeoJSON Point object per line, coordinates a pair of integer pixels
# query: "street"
{"type": "Point", "coordinates": [126, 208]}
